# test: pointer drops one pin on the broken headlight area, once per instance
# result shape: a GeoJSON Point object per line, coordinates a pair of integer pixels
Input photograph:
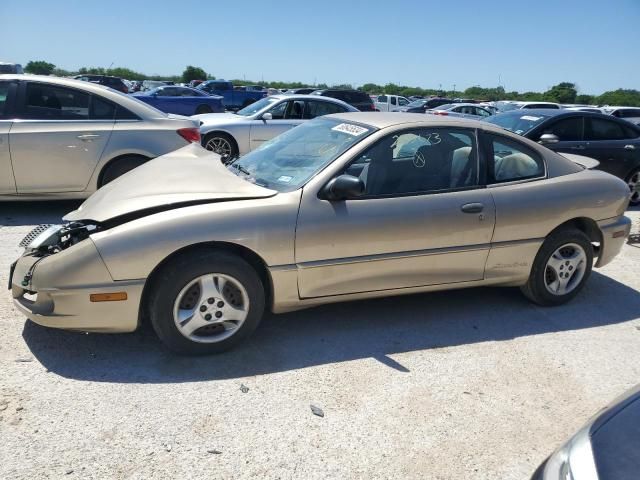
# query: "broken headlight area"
{"type": "Point", "coordinates": [50, 239]}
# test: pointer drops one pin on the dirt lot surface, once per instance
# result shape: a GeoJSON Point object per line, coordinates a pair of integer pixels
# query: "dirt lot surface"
{"type": "Point", "coordinates": [472, 384]}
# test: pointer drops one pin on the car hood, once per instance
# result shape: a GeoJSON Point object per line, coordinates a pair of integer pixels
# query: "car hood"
{"type": "Point", "coordinates": [188, 176]}
{"type": "Point", "coordinates": [218, 118]}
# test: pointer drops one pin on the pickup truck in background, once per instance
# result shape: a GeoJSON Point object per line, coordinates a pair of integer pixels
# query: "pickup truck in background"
{"type": "Point", "coordinates": [388, 103]}
{"type": "Point", "coordinates": [233, 99]}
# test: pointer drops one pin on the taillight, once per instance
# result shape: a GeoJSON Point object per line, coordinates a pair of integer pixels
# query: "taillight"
{"type": "Point", "coordinates": [191, 135]}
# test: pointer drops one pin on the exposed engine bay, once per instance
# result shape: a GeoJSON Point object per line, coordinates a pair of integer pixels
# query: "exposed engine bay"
{"type": "Point", "coordinates": [50, 239]}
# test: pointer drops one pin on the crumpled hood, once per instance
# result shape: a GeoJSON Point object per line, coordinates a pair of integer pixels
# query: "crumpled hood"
{"type": "Point", "coordinates": [184, 177]}
{"type": "Point", "coordinates": [217, 118]}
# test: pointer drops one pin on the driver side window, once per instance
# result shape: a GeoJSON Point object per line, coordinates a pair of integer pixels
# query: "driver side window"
{"type": "Point", "coordinates": [419, 161]}
{"type": "Point", "coordinates": [278, 112]}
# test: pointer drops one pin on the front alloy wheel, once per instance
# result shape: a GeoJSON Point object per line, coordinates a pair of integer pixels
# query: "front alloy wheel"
{"type": "Point", "coordinates": [219, 145]}
{"type": "Point", "coordinates": [211, 308]}
{"type": "Point", "coordinates": [205, 301]}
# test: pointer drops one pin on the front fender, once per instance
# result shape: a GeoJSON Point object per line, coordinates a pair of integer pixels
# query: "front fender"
{"type": "Point", "coordinates": [265, 226]}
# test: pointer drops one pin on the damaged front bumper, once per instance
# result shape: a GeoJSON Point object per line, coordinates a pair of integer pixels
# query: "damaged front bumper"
{"type": "Point", "coordinates": [60, 289]}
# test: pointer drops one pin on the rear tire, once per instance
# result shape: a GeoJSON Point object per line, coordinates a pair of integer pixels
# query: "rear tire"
{"type": "Point", "coordinates": [207, 288]}
{"type": "Point", "coordinates": [203, 109]}
{"type": "Point", "coordinates": [119, 167]}
{"type": "Point", "coordinates": [561, 268]}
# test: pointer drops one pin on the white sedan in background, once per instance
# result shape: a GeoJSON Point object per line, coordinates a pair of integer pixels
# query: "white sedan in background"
{"type": "Point", "coordinates": [233, 134]}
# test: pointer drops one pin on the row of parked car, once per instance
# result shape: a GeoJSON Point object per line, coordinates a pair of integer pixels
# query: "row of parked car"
{"type": "Point", "coordinates": [114, 133]}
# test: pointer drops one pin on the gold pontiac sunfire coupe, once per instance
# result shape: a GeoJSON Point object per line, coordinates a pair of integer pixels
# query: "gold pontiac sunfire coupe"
{"type": "Point", "coordinates": [343, 207]}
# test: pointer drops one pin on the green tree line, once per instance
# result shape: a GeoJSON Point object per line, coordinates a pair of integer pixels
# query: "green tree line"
{"type": "Point", "coordinates": [564, 92]}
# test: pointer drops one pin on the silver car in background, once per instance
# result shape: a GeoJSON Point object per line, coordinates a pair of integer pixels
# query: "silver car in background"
{"type": "Point", "coordinates": [233, 134]}
{"type": "Point", "coordinates": [461, 110]}
{"type": "Point", "coordinates": [69, 137]}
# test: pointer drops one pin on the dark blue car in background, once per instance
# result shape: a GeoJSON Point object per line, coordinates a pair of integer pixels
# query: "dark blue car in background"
{"type": "Point", "coordinates": [235, 98]}
{"type": "Point", "coordinates": [182, 100]}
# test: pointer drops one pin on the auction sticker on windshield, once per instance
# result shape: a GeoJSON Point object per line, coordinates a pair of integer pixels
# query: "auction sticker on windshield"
{"type": "Point", "coordinates": [531, 119]}
{"type": "Point", "coordinates": [354, 130]}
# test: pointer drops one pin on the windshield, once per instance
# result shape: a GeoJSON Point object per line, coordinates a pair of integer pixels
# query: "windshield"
{"type": "Point", "coordinates": [255, 107]}
{"type": "Point", "coordinates": [288, 161]}
{"type": "Point", "coordinates": [517, 122]}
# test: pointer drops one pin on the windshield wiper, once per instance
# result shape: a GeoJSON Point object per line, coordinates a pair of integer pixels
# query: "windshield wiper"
{"type": "Point", "coordinates": [241, 169]}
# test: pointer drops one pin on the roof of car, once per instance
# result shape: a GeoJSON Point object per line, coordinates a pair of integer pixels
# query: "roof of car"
{"type": "Point", "coordinates": [389, 119]}
{"type": "Point", "coordinates": [126, 101]}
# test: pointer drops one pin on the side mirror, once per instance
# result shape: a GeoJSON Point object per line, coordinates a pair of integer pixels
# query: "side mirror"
{"type": "Point", "coordinates": [343, 188]}
{"type": "Point", "coordinates": [549, 138]}
{"type": "Point", "coordinates": [267, 116]}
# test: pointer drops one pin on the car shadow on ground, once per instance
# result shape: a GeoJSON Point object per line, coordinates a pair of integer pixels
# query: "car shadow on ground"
{"type": "Point", "coordinates": [336, 333]}
{"type": "Point", "coordinates": [35, 213]}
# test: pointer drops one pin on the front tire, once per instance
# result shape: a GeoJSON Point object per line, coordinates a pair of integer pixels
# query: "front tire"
{"type": "Point", "coordinates": [633, 180]}
{"type": "Point", "coordinates": [561, 268]}
{"type": "Point", "coordinates": [221, 143]}
{"type": "Point", "coordinates": [206, 302]}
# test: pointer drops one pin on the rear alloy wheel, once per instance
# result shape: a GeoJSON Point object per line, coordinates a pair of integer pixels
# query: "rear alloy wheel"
{"type": "Point", "coordinates": [221, 143]}
{"type": "Point", "coordinates": [206, 302]}
{"type": "Point", "coordinates": [560, 268]}
{"type": "Point", "coordinates": [633, 180]}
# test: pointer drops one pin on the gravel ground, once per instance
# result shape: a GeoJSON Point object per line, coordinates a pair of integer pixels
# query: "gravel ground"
{"type": "Point", "coordinates": [471, 384]}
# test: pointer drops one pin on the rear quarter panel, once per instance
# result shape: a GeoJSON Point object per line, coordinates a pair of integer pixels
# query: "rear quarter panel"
{"type": "Point", "coordinates": [527, 212]}
{"type": "Point", "coordinates": [533, 209]}
{"type": "Point", "coordinates": [148, 138]}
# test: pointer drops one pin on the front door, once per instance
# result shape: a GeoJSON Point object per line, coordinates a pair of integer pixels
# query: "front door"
{"type": "Point", "coordinates": [7, 183]}
{"type": "Point", "coordinates": [614, 144]}
{"type": "Point", "coordinates": [424, 220]}
{"type": "Point", "coordinates": [284, 116]}
{"type": "Point", "coordinates": [55, 143]}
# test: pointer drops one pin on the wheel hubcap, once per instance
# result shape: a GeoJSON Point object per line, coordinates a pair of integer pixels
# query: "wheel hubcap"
{"type": "Point", "coordinates": [219, 145]}
{"type": "Point", "coordinates": [634, 186]}
{"type": "Point", "coordinates": [565, 269]}
{"type": "Point", "coordinates": [211, 308]}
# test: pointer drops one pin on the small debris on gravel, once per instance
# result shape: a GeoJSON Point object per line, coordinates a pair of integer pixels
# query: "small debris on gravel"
{"type": "Point", "coordinates": [24, 359]}
{"type": "Point", "coordinates": [19, 408]}
{"type": "Point", "coordinates": [214, 451]}
{"type": "Point", "coordinates": [244, 388]}
{"type": "Point", "coordinates": [467, 393]}
{"type": "Point", "coordinates": [68, 472]}
{"type": "Point", "coordinates": [168, 447]}
{"type": "Point", "coordinates": [317, 411]}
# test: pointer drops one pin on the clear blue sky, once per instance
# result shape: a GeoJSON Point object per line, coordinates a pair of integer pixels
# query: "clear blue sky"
{"type": "Point", "coordinates": [528, 45]}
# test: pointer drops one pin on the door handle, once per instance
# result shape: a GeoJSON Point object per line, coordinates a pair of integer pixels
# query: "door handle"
{"type": "Point", "coordinates": [87, 137]}
{"type": "Point", "coordinates": [472, 207]}
{"type": "Point", "coordinates": [629, 147]}
{"type": "Point", "coordinates": [578, 147]}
